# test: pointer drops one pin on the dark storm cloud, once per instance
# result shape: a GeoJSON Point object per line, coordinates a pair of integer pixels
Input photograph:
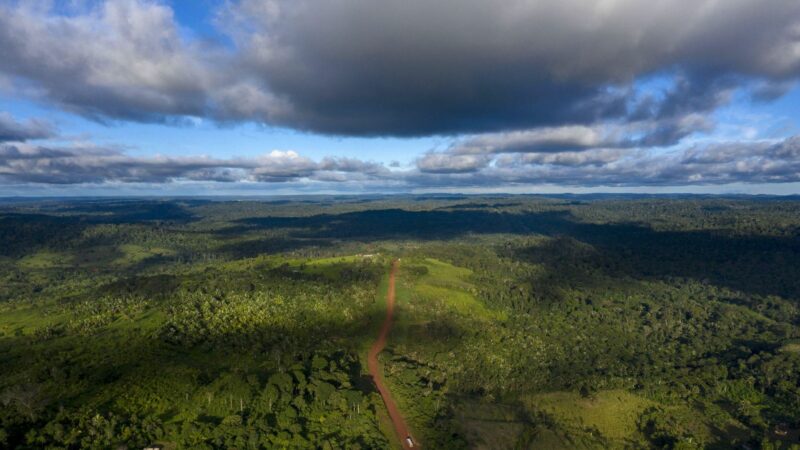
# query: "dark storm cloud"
{"type": "Point", "coordinates": [454, 66]}
{"type": "Point", "coordinates": [12, 130]}
{"type": "Point", "coordinates": [410, 67]}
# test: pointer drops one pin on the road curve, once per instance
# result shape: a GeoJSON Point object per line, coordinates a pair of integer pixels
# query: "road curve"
{"type": "Point", "coordinates": [376, 371]}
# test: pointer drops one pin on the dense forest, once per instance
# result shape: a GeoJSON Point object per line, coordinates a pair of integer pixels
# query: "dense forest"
{"type": "Point", "coordinates": [521, 322]}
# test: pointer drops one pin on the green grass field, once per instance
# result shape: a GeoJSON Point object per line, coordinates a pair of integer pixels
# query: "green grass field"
{"type": "Point", "coordinates": [45, 260]}
{"type": "Point", "coordinates": [792, 347]}
{"type": "Point", "coordinates": [614, 414]}
{"type": "Point", "coordinates": [445, 286]}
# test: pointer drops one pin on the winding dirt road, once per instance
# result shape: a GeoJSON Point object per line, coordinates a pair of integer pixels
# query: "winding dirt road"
{"type": "Point", "coordinates": [376, 371]}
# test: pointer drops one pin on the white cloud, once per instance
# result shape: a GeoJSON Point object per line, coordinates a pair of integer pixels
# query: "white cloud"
{"type": "Point", "coordinates": [451, 163]}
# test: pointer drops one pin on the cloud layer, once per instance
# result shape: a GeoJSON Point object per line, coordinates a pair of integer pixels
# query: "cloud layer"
{"type": "Point", "coordinates": [707, 164]}
{"type": "Point", "coordinates": [409, 67]}
{"type": "Point", "coordinates": [28, 163]}
{"type": "Point", "coordinates": [14, 130]}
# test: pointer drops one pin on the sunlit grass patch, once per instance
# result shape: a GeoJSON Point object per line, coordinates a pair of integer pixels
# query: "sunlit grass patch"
{"type": "Point", "coordinates": [448, 284]}
{"type": "Point", "coordinates": [613, 413]}
{"type": "Point", "coordinates": [133, 254]}
{"type": "Point", "coordinates": [25, 320]}
{"type": "Point", "coordinates": [791, 348]}
{"type": "Point", "coordinates": [45, 260]}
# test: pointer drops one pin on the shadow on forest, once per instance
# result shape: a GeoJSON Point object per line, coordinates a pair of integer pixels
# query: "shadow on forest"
{"type": "Point", "coordinates": [57, 224]}
{"type": "Point", "coordinates": [750, 263]}
{"type": "Point", "coordinates": [753, 264]}
{"type": "Point", "coordinates": [131, 211]}
{"type": "Point", "coordinates": [255, 247]}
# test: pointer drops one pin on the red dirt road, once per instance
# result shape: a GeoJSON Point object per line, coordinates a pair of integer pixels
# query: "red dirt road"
{"type": "Point", "coordinates": [376, 371]}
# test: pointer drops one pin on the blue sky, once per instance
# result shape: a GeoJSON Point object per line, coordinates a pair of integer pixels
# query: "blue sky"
{"type": "Point", "coordinates": [209, 138]}
{"type": "Point", "coordinates": [274, 97]}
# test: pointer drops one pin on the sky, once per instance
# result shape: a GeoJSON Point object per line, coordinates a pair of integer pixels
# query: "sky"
{"type": "Point", "coordinates": [273, 97]}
